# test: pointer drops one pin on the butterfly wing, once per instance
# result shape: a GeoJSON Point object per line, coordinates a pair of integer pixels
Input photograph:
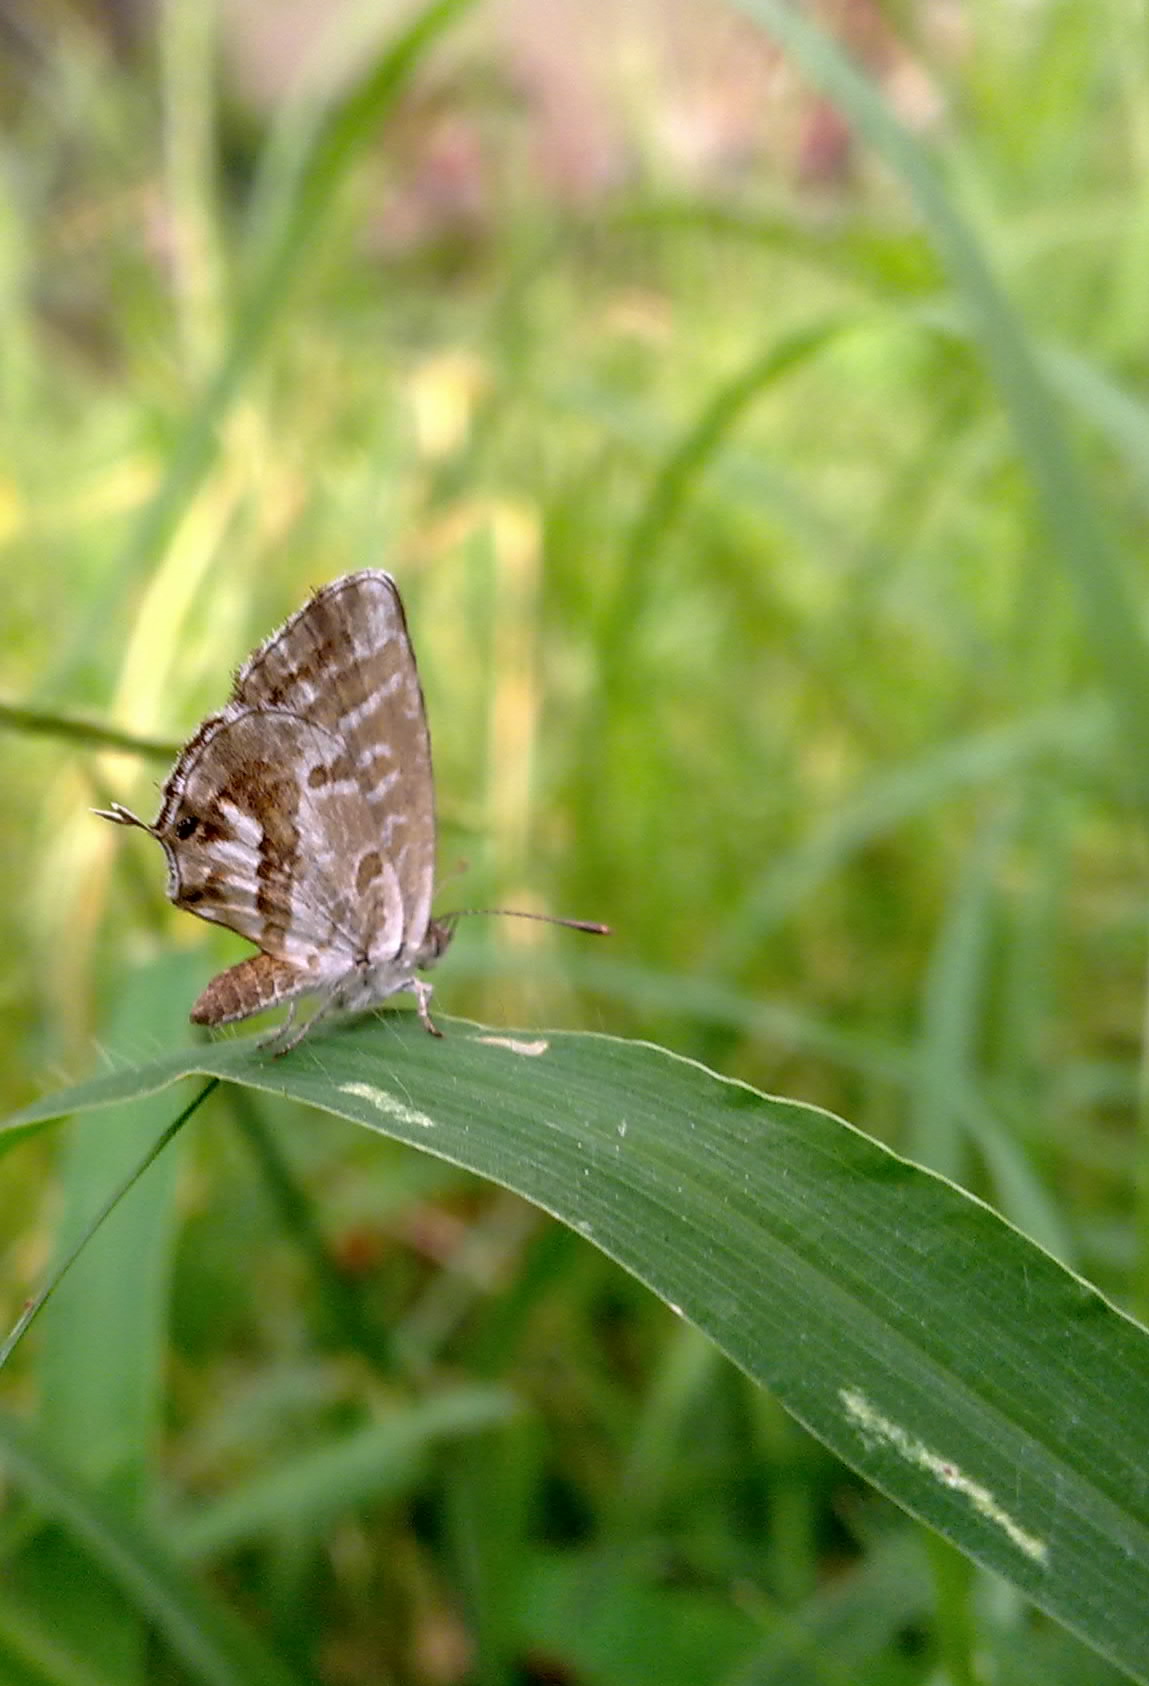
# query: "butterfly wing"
{"type": "Point", "coordinates": [344, 662]}
{"type": "Point", "coordinates": [267, 831]}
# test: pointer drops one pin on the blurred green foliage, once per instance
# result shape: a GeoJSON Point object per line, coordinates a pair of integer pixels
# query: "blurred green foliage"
{"type": "Point", "coordinates": [778, 599]}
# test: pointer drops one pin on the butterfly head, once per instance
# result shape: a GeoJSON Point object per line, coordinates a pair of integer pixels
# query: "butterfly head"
{"type": "Point", "coordinates": [439, 934]}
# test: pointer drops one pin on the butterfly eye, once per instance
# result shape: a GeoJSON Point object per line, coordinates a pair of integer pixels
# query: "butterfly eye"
{"type": "Point", "coordinates": [186, 827]}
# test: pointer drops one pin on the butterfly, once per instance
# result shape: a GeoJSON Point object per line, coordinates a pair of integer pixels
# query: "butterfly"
{"type": "Point", "coordinates": [302, 816]}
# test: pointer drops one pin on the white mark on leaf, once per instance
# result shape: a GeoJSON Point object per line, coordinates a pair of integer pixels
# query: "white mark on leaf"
{"type": "Point", "coordinates": [387, 1104]}
{"type": "Point", "coordinates": [873, 1426]}
{"type": "Point", "coordinates": [530, 1048]}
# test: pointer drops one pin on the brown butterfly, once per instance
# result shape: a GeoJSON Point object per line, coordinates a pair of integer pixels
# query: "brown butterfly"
{"type": "Point", "coordinates": [302, 816]}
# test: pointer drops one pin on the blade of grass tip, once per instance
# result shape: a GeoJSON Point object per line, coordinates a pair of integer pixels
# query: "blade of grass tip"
{"type": "Point", "coordinates": [38, 1301]}
{"type": "Point", "coordinates": [1076, 531]}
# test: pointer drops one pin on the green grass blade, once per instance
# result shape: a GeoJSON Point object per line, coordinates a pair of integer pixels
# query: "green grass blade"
{"type": "Point", "coordinates": [949, 1360]}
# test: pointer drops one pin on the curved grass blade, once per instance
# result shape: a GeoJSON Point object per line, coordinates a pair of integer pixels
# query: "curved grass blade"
{"type": "Point", "coordinates": [953, 1363]}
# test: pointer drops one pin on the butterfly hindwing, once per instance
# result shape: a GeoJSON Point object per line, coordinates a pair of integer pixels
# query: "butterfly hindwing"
{"type": "Point", "coordinates": [345, 663]}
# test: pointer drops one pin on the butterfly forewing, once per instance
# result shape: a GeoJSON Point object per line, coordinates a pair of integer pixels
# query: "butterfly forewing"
{"type": "Point", "coordinates": [261, 818]}
{"type": "Point", "coordinates": [345, 663]}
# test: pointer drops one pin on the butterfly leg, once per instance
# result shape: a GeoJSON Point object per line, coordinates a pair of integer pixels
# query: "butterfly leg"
{"type": "Point", "coordinates": [289, 1034]}
{"type": "Point", "coordinates": [285, 1036]}
{"type": "Point", "coordinates": [422, 993]}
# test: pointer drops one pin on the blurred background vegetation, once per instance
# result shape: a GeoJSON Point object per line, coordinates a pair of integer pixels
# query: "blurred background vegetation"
{"type": "Point", "coordinates": [743, 626]}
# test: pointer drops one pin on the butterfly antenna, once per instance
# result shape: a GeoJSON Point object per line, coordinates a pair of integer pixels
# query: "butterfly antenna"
{"type": "Point", "coordinates": [119, 815]}
{"type": "Point", "coordinates": [590, 926]}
